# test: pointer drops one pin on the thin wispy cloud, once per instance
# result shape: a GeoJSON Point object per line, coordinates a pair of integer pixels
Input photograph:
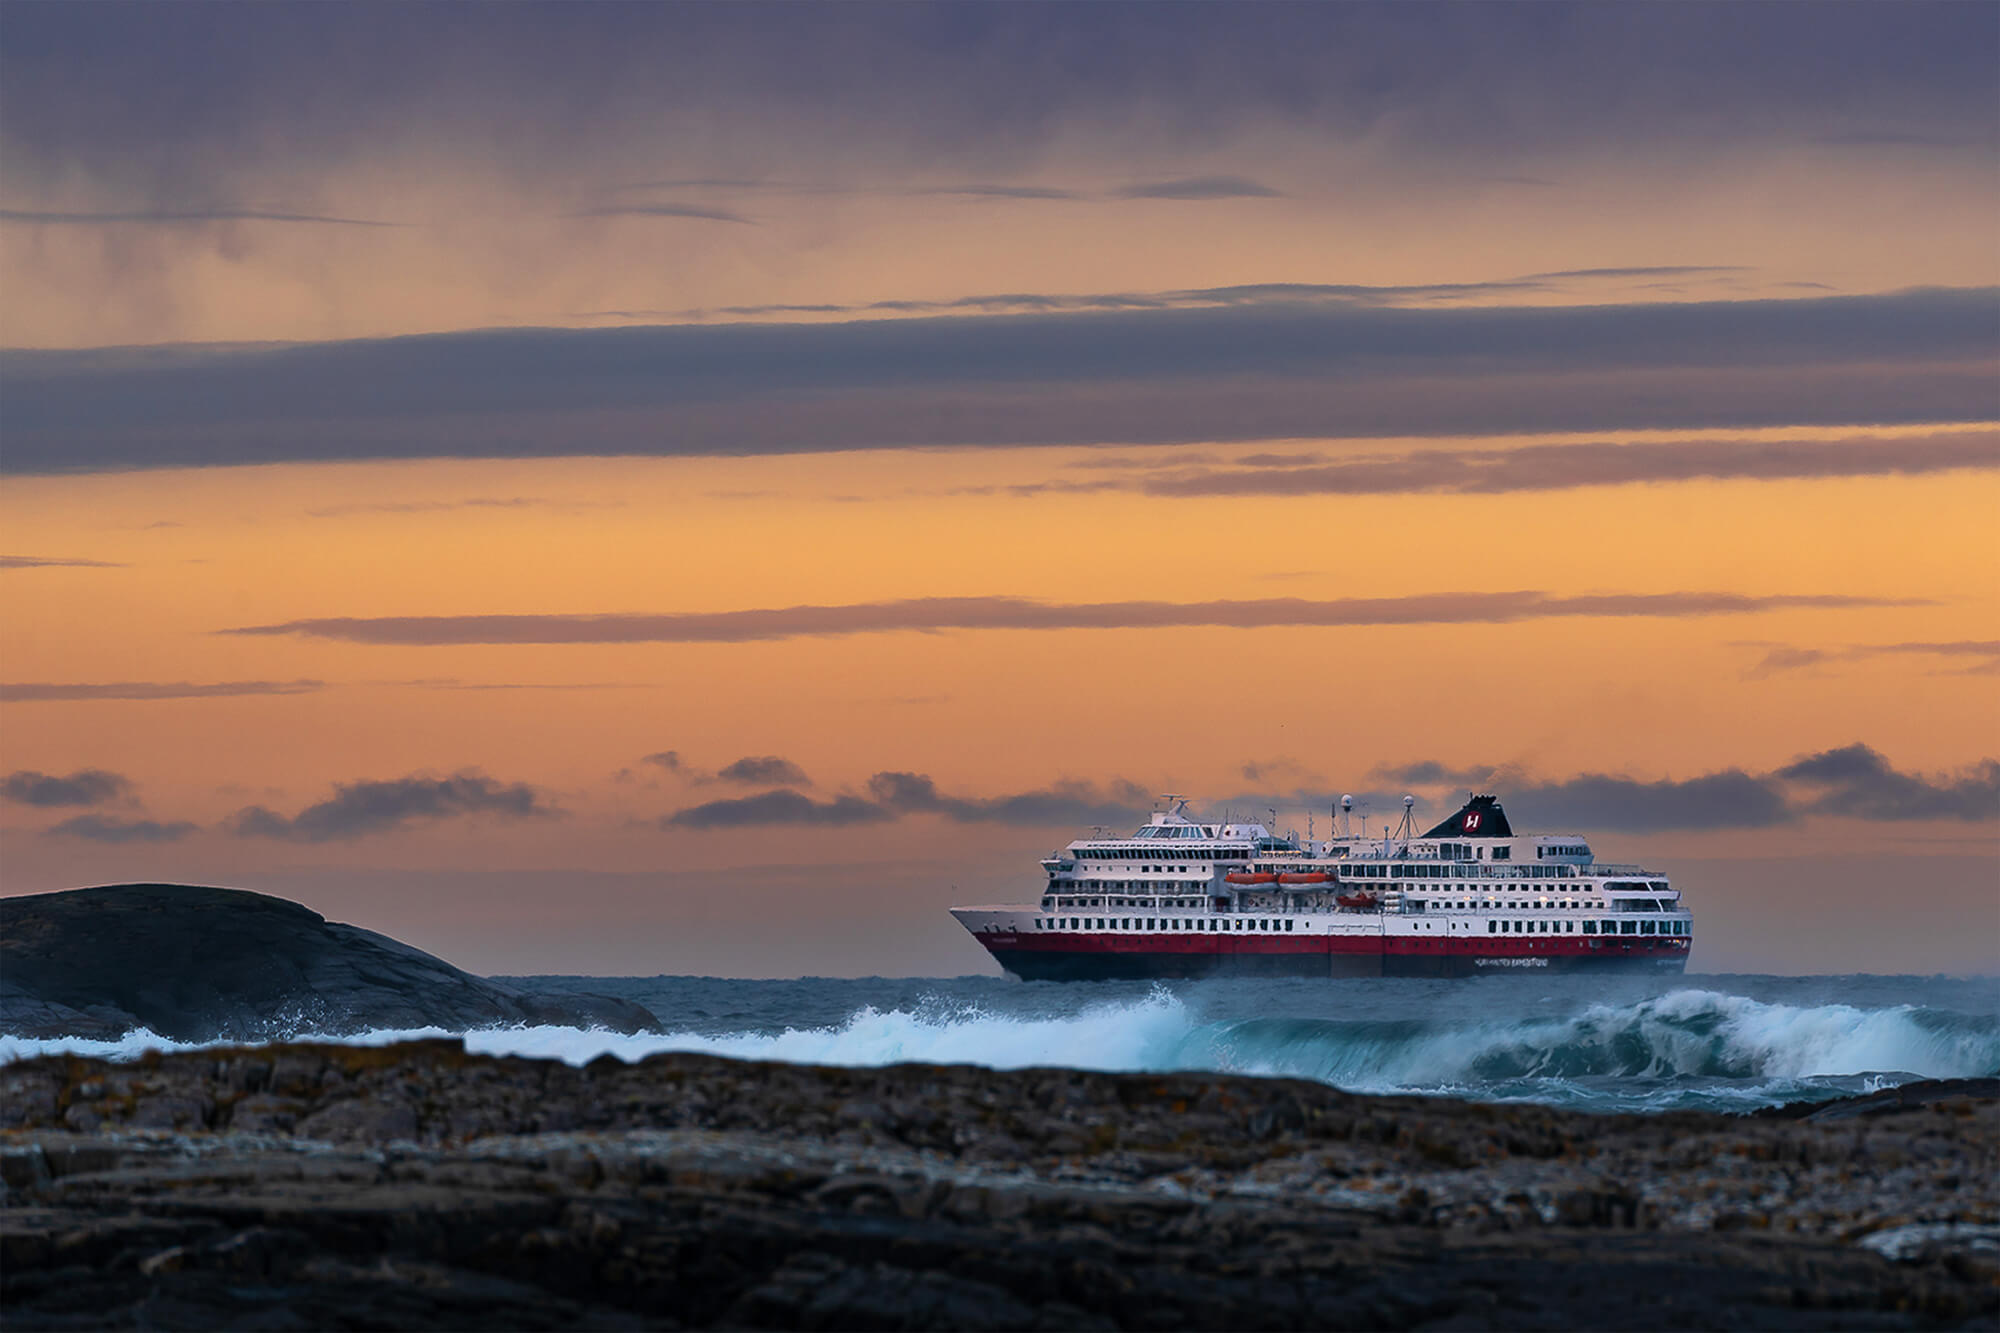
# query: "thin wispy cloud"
{"type": "Point", "coordinates": [181, 217]}
{"type": "Point", "coordinates": [60, 691]}
{"type": "Point", "coordinates": [56, 562]}
{"type": "Point", "coordinates": [704, 183]}
{"type": "Point", "coordinates": [1200, 187]}
{"type": "Point", "coordinates": [1567, 466]}
{"type": "Point", "coordinates": [454, 683]}
{"type": "Point", "coordinates": [1005, 192]}
{"type": "Point", "coordinates": [1645, 271]}
{"type": "Point", "coordinates": [929, 614]}
{"type": "Point", "coordinates": [114, 831]}
{"type": "Point", "coordinates": [1189, 298]}
{"type": "Point", "coordinates": [696, 212]}
{"type": "Point", "coordinates": [1983, 655]}
{"type": "Point", "coordinates": [1894, 139]}
{"type": "Point", "coordinates": [511, 502]}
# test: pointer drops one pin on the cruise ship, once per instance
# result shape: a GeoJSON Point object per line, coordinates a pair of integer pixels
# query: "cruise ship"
{"type": "Point", "coordinates": [1182, 898]}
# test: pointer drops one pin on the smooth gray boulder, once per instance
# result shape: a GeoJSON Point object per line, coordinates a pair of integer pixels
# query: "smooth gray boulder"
{"type": "Point", "coordinates": [197, 964]}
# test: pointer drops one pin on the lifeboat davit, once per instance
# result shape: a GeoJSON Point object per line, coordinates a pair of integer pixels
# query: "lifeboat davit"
{"type": "Point", "coordinates": [1305, 877]}
{"type": "Point", "coordinates": [1247, 877]}
{"type": "Point", "coordinates": [1356, 899]}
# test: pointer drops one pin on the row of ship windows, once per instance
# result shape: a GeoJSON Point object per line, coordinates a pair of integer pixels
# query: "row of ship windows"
{"type": "Point", "coordinates": [1193, 924]}
{"type": "Point", "coordinates": [1147, 870]}
{"type": "Point", "coordinates": [1137, 883]}
{"type": "Point", "coordinates": [1192, 853]}
{"type": "Point", "coordinates": [1670, 927]}
{"type": "Point", "coordinates": [1382, 871]}
{"type": "Point", "coordinates": [1279, 925]}
{"type": "Point", "coordinates": [1540, 904]}
{"type": "Point", "coordinates": [1438, 904]}
{"type": "Point", "coordinates": [1184, 904]}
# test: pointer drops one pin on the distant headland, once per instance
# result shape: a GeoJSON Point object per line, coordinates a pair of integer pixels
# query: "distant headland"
{"type": "Point", "coordinates": [192, 963]}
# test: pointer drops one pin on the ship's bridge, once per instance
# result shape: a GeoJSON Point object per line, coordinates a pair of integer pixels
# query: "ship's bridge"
{"type": "Point", "coordinates": [1171, 824]}
{"type": "Point", "coordinates": [1167, 844]}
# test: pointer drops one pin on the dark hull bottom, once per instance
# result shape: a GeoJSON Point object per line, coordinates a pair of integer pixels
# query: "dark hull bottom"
{"type": "Point", "coordinates": [1037, 965]}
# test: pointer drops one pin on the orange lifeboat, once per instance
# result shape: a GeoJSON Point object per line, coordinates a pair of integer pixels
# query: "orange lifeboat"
{"type": "Point", "coordinates": [1305, 877]}
{"type": "Point", "coordinates": [1356, 899]}
{"type": "Point", "coordinates": [1247, 877]}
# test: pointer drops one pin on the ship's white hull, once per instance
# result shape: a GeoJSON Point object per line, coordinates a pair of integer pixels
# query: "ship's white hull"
{"type": "Point", "coordinates": [1306, 945]}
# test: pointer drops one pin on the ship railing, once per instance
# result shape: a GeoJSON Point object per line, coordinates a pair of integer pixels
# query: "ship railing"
{"type": "Point", "coordinates": [1525, 871]}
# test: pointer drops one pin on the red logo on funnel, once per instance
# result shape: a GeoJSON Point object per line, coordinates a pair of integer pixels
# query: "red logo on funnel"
{"type": "Point", "coordinates": [1471, 820]}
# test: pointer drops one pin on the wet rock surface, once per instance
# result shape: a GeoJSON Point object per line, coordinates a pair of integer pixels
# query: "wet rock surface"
{"type": "Point", "coordinates": [197, 964]}
{"type": "Point", "coordinates": [417, 1186]}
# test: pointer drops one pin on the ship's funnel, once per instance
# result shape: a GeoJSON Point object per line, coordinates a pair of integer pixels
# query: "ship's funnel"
{"type": "Point", "coordinates": [1480, 817]}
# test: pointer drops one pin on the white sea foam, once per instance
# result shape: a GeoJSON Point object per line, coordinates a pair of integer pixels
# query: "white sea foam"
{"type": "Point", "coordinates": [1689, 1033]}
{"type": "Point", "coordinates": [1700, 1034]}
{"type": "Point", "coordinates": [1140, 1035]}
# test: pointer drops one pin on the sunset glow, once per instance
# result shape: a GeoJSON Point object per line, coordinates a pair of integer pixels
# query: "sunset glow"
{"type": "Point", "coordinates": [1063, 403]}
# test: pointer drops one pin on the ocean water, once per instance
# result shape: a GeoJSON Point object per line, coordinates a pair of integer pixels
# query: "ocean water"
{"type": "Point", "coordinates": [1731, 1043]}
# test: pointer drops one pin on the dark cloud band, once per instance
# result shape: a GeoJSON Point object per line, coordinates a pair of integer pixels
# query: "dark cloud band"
{"type": "Point", "coordinates": [891, 795]}
{"type": "Point", "coordinates": [88, 786]}
{"type": "Point", "coordinates": [187, 98]}
{"type": "Point", "coordinates": [1852, 781]}
{"type": "Point", "coordinates": [1260, 369]}
{"type": "Point", "coordinates": [1020, 613]}
{"type": "Point", "coordinates": [767, 770]}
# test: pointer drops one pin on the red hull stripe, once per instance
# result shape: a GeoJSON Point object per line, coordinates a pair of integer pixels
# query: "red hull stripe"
{"type": "Point", "coordinates": [1477, 946]}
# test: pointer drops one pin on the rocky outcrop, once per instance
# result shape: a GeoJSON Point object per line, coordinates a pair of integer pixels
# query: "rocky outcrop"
{"type": "Point", "coordinates": [198, 964]}
{"type": "Point", "coordinates": [418, 1186]}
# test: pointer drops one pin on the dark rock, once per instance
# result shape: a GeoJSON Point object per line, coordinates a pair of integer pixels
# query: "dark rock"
{"type": "Point", "coordinates": [198, 964]}
{"type": "Point", "coordinates": [1888, 1101]}
{"type": "Point", "coordinates": [417, 1186]}
{"type": "Point", "coordinates": [1908, 1097]}
{"type": "Point", "coordinates": [362, 1120]}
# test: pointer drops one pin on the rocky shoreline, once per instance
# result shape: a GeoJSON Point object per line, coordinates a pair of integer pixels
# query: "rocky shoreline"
{"type": "Point", "coordinates": [418, 1186]}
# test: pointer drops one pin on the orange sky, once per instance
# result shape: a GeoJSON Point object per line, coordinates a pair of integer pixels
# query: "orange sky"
{"type": "Point", "coordinates": [123, 582]}
{"type": "Point", "coordinates": [980, 711]}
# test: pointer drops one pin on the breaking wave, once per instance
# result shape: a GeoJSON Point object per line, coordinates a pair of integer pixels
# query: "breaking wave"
{"type": "Point", "coordinates": [1684, 1048]}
